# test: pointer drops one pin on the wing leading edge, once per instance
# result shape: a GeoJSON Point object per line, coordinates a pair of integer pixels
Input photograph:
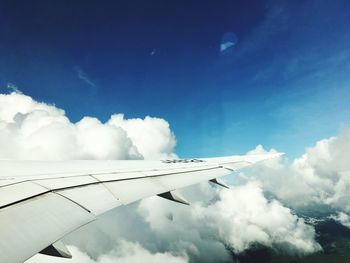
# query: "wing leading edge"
{"type": "Point", "coordinates": [41, 202]}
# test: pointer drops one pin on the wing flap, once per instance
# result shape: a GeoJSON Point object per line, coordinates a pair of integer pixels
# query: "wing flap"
{"type": "Point", "coordinates": [129, 191]}
{"type": "Point", "coordinates": [95, 198]}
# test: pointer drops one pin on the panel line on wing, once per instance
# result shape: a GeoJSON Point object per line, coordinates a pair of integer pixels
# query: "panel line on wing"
{"type": "Point", "coordinates": [12, 183]}
{"type": "Point", "coordinates": [23, 200]}
{"type": "Point", "coordinates": [106, 187]}
{"type": "Point", "coordinates": [69, 199]}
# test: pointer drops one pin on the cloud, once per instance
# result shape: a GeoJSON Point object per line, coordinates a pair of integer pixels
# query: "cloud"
{"type": "Point", "coordinates": [35, 130]}
{"type": "Point", "coordinates": [155, 137]}
{"type": "Point", "coordinates": [84, 77]}
{"type": "Point", "coordinates": [342, 218]}
{"type": "Point", "coordinates": [237, 219]}
{"type": "Point", "coordinates": [321, 176]}
{"type": "Point", "coordinates": [244, 216]}
{"type": "Point", "coordinates": [126, 252]}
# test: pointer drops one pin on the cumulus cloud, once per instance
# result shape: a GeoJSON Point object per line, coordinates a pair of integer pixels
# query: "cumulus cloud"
{"type": "Point", "coordinates": [155, 138]}
{"type": "Point", "coordinates": [237, 218]}
{"type": "Point", "coordinates": [34, 130]}
{"type": "Point", "coordinates": [321, 176]}
{"type": "Point", "coordinates": [326, 169]}
{"type": "Point", "coordinates": [244, 216]}
{"type": "Point", "coordinates": [126, 252]}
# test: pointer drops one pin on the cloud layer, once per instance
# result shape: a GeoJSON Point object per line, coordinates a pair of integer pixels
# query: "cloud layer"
{"type": "Point", "coordinates": [236, 219]}
{"type": "Point", "coordinates": [127, 253]}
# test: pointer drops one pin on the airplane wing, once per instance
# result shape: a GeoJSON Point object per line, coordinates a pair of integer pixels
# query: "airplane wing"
{"type": "Point", "coordinates": [41, 202]}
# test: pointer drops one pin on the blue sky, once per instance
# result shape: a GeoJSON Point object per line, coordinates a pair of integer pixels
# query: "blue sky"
{"type": "Point", "coordinates": [285, 84]}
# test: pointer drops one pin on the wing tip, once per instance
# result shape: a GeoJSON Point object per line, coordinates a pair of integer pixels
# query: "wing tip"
{"type": "Point", "coordinates": [269, 156]}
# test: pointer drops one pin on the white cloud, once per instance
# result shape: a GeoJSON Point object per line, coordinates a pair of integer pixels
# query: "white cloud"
{"type": "Point", "coordinates": [342, 218]}
{"type": "Point", "coordinates": [244, 216]}
{"type": "Point", "coordinates": [125, 252]}
{"type": "Point", "coordinates": [34, 130]}
{"type": "Point", "coordinates": [321, 176]}
{"type": "Point", "coordinates": [326, 169]}
{"type": "Point", "coordinates": [240, 217]}
{"type": "Point", "coordinates": [156, 139]}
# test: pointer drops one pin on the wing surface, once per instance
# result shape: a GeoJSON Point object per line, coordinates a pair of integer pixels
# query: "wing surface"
{"type": "Point", "coordinates": [41, 202]}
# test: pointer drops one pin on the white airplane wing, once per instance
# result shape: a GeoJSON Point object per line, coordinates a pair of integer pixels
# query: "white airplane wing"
{"type": "Point", "coordinates": [41, 202]}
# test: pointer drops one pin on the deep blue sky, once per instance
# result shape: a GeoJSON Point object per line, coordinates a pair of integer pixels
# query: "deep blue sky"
{"type": "Point", "coordinates": [285, 84]}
